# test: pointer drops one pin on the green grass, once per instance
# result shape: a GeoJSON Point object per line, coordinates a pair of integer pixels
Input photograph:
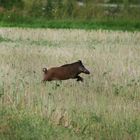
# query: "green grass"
{"type": "Point", "coordinates": [105, 106]}
{"type": "Point", "coordinates": [108, 24]}
{"type": "Point", "coordinates": [26, 126]}
{"type": "Point", "coordinates": [17, 125]}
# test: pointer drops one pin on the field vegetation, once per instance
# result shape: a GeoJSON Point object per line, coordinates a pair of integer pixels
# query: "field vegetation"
{"type": "Point", "coordinates": [105, 106]}
{"type": "Point", "coordinates": [85, 14]}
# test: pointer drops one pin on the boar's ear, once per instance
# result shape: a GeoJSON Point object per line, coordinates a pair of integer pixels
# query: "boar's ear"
{"type": "Point", "coordinates": [80, 61]}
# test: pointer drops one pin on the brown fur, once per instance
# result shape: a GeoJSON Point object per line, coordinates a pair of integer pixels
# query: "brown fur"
{"type": "Point", "coordinates": [64, 72]}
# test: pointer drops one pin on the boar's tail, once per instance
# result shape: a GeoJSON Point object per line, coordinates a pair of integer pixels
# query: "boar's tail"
{"type": "Point", "coordinates": [44, 70]}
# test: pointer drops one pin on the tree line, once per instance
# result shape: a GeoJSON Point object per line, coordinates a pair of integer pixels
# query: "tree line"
{"type": "Point", "coordinates": [62, 9]}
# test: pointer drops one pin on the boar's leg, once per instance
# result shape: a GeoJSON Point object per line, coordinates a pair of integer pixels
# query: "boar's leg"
{"type": "Point", "coordinates": [79, 78]}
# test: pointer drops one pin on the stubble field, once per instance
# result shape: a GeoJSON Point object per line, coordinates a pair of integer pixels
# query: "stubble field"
{"type": "Point", "coordinates": [105, 106]}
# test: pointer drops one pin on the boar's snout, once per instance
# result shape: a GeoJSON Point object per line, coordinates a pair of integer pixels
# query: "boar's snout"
{"type": "Point", "coordinates": [86, 71]}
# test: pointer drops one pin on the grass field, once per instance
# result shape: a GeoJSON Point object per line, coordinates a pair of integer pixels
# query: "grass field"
{"type": "Point", "coordinates": [107, 24]}
{"type": "Point", "coordinates": [106, 106]}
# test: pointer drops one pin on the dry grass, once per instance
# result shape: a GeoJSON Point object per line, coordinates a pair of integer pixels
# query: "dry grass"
{"type": "Point", "coordinates": [110, 95]}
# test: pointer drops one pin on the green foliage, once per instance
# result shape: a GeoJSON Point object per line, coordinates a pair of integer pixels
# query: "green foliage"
{"type": "Point", "coordinates": [121, 1]}
{"type": "Point", "coordinates": [23, 125]}
{"type": "Point", "coordinates": [4, 39]}
{"type": "Point", "coordinates": [49, 9]}
{"type": "Point", "coordinates": [111, 24]}
{"type": "Point", "coordinates": [65, 9]}
{"type": "Point", "coordinates": [8, 4]}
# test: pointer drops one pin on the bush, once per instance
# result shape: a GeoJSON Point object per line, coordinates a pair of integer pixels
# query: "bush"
{"type": "Point", "coordinates": [8, 4]}
{"type": "Point", "coordinates": [65, 9]}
